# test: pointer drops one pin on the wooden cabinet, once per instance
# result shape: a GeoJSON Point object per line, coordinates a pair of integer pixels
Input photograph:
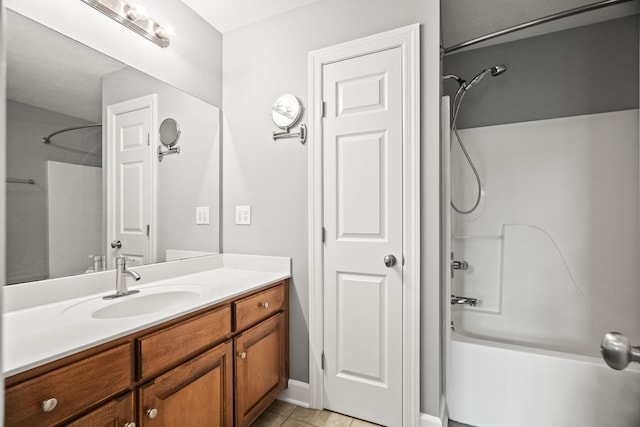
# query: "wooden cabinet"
{"type": "Point", "coordinates": [168, 346]}
{"type": "Point", "coordinates": [261, 372]}
{"type": "Point", "coordinates": [219, 366]}
{"type": "Point", "coordinates": [61, 393]}
{"type": "Point", "coordinates": [196, 393]}
{"type": "Point", "coordinates": [118, 412]}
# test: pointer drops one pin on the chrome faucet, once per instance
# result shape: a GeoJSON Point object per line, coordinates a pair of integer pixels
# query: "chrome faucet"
{"type": "Point", "coordinates": [121, 281]}
{"type": "Point", "coordinates": [463, 301]}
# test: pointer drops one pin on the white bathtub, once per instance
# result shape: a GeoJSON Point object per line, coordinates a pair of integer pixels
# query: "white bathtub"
{"type": "Point", "coordinates": [501, 385]}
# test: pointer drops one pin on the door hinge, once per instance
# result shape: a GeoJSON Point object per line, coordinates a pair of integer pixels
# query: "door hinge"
{"type": "Point", "coordinates": [324, 234]}
{"type": "Point", "coordinates": [148, 139]}
{"type": "Point", "coordinates": [323, 362]}
{"type": "Point", "coordinates": [323, 109]}
{"type": "Point", "coordinates": [148, 229]}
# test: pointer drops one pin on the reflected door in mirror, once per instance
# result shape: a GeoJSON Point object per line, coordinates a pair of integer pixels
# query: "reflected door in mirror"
{"type": "Point", "coordinates": [129, 127]}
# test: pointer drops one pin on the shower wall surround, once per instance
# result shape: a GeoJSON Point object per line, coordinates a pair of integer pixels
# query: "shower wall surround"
{"type": "Point", "coordinates": [553, 249]}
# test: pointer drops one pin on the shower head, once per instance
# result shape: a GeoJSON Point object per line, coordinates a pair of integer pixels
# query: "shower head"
{"type": "Point", "coordinates": [496, 70]}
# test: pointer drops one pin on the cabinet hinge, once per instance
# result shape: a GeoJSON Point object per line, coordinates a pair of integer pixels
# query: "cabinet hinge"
{"type": "Point", "coordinates": [323, 362]}
{"type": "Point", "coordinates": [148, 229]}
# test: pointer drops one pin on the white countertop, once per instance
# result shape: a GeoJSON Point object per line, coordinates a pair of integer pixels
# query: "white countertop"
{"type": "Point", "coordinates": [43, 333]}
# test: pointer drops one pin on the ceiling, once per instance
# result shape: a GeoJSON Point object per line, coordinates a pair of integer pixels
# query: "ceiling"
{"type": "Point", "coordinates": [48, 70]}
{"type": "Point", "coordinates": [228, 15]}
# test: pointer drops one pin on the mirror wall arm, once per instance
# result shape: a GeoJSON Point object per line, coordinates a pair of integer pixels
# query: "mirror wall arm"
{"type": "Point", "coordinates": [172, 150]}
{"type": "Point", "coordinates": [302, 135]}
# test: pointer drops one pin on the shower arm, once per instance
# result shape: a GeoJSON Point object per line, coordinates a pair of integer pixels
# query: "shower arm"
{"type": "Point", "coordinates": [47, 139]}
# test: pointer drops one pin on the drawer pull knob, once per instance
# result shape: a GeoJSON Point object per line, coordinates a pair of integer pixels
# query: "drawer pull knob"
{"type": "Point", "coordinates": [264, 305]}
{"type": "Point", "coordinates": [49, 405]}
{"type": "Point", "coordinates": [242, 355]}
{"type": "Point", "coordinates": [130, 425]}
{"type": "Point", "coordinates": [152, 413]}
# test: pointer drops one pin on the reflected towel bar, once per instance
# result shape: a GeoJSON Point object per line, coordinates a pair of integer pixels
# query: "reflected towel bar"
{"type": "Point", "coordinates": [21, 181]}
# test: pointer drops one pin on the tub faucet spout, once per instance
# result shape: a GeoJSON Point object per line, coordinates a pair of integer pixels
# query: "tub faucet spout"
{"type": "Point", "coordinates": [455, 300]}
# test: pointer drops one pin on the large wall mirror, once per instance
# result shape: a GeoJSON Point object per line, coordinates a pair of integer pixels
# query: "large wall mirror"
{"type": "Point", "coordinates": [58, 199]}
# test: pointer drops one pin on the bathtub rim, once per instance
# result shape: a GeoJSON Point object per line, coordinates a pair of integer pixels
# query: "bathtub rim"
{"type": "Point", "coordinates": [553, 354]}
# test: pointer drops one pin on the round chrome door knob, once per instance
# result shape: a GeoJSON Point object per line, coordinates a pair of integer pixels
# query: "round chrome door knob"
{"type": "Point", "coordinates": [116, 244]}
{"type": "Point", "coordinates": [389, 260]}
{"type": "Point", "coordinates": [49, 405]}
{"type": "Point", "coordinates": [242, 355]}
{"type": "Point", "coordinates": [130, 425]}
{"type": "Point", "coordinates": [152, 413]}
{"type": "Point", "coordinates": [264, 305]}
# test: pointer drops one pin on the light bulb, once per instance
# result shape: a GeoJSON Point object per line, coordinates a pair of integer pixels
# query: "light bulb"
{"type": "Point", "coordinates": [135, 12]}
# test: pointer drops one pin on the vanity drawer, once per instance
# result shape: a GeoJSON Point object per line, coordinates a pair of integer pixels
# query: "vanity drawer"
{"type": "Point", "coordinates": [165, 348]}
{"type": "Point", "coordinates": [75, 387]}
{"type": "Point", "coordinates": [252, 309]}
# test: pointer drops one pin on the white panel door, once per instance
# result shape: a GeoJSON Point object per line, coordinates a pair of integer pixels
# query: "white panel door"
{"type": "Point", "coordinates": [362, 153]}
{"type": "Point", "coordinates": [129, 138]}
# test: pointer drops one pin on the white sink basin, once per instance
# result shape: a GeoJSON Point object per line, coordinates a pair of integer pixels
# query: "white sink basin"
{"type": "Point", "coordinates": [149, 300]}
{"type": "Point", "coordinates": [144, 304]}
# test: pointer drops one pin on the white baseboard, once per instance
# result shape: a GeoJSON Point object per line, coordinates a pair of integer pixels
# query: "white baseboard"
{"type": "Point", "coordinates": [430, 421]}
{"type": "Point", "coordinates": [297, 394]}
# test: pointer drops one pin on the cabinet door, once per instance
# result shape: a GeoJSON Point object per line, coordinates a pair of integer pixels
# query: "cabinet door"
{"type": "Point", "coordinates": [261, 369]}
{"type": "Point", "coordinates": [117, 412]}
{"type": "Point", "coordinates": [197, 393]}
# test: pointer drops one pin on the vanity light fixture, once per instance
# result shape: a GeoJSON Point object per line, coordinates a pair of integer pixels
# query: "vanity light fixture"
{"type": "Point", "coordinates": [134, 18]}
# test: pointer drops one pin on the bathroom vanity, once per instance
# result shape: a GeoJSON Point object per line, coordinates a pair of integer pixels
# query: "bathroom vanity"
{"type": "Point", "coordinates": [218, 359]}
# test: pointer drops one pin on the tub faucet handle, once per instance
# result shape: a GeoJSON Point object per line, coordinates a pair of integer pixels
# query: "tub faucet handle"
{"type": "Point", "coordinates": [471, 302]}
{"type": "Point", "coordinates": [458, 265]}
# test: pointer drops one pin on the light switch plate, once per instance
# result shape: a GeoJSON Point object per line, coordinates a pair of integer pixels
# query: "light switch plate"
{"type": "Point", "coordinates": [243, 215]}
{"type": "Point", "coordinates": [202, 215]}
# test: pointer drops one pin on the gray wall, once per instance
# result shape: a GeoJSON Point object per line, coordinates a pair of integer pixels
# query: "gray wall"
{"type": "Point", "coordinates": [264, 60]}
{"type": "Point", "coordinates": [185, 180]}
{"type": "Point", "coordinates": [584, 70]}
{"type": "Point", "coordinates": [26, 155]}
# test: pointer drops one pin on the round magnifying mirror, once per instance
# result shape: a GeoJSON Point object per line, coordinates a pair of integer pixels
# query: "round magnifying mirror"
{"type": "Point", "coordinates": [169, 132]}
{"type": "Point", "coordinates": [286, 111]}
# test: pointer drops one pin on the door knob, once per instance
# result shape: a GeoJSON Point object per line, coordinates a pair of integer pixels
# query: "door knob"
{"type": "Point", "coordinates": [389, 260]}
{"type": "Point", "coordinates": [116, 244]}
{"type": "Point", "coordinates": [617, 350]}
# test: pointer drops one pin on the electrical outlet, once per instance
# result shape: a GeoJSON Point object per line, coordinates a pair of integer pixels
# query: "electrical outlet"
{"type": "Point", "coordinates": [202, 215]}
{"type": "Point", "coordinates": [243, 215]}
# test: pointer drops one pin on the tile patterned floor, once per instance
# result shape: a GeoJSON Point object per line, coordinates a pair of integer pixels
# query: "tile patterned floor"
{"type": "Point", "coordinates": [282, 414]}
{"type": "Point", "coordinates": [288, 415]}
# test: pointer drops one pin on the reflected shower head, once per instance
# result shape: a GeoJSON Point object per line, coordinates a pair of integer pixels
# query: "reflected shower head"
{"type": "Point", "coordinates": [496, 70]}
